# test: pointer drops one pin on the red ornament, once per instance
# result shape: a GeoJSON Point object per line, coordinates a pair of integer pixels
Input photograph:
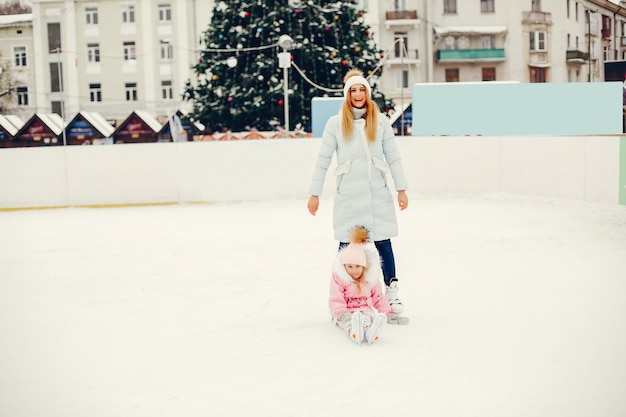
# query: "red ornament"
{"type": "Point", "coordinates": [247, 14]}
{"type": "Point", "coordinates": [367, 32]}
{"type": "Point", "coordinates": [280, 102]}
{"type": "Point", "coordinates": [344, 62]}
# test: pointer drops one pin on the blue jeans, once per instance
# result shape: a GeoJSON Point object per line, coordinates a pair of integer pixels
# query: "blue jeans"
{"type": "Point", "coordinates": [387, 260]}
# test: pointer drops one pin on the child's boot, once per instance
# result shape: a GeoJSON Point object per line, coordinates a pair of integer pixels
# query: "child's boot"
{"type": "Point", "coordinates": [355, 331]}
{"type": "Point", "coordinates": [391, 292]}
{"type": "Point", "coordinates": [372, 333]}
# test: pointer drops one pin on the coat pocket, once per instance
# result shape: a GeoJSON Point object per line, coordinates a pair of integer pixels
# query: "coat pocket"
{"type": "Point", "coordinates": [382, 167]}
{"type": "Point", "coordinates": [341, 170]}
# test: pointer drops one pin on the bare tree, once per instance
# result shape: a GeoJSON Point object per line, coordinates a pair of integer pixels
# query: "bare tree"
{"type": "Point", "coordinates": [6, 86]}
{"type": "Point", "coordinates": [15, 7]}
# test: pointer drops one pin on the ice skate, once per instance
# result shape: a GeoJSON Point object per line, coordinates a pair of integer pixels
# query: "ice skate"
{"type": "Point", "coordinates": [355, 331]}
{"type": "Point", "coordinates": [372, 333]}
{"type": "Point", "coordinates": [391, 292]}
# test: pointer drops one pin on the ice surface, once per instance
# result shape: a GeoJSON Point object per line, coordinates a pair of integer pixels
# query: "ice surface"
{"type": "Point", "coordinates": [517, 308]}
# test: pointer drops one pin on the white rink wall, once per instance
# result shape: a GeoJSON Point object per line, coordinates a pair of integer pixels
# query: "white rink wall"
{"type": "Point", "coordinates": [570, 167]}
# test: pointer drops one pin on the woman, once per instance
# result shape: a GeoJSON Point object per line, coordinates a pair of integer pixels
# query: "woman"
{"type": "Point", "coordinates": [366, 151]}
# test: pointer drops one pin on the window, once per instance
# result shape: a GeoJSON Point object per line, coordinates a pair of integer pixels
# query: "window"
{"type": "Point", "coordinates": [19, 54]}
{"type": "Point", "coordinates": [130, 90]}
{"type": "Point", "coordinates": [487, 6]}
{"type": "Point", "coordinates": [488, 41]}
{"type": "Point", "coordinates": [537, 75]}
{"type": "Point", "coordinates": [129, 51]}
{"type": "Point", "coordinates": [128, 13]}
{"type": "Point", "coordinates": [402, 79]}
{"type": "Point", "coordinates": [165, 12]}
{"type": "Point", "coordinates": [567, 8]}
{"type": "Point", "coordinates": [57, 107]}
{"type": "Point", "coordinates": [167, 52]}
{"type": "Point", "coordinates": [401, 47]}
{"type": "Point", "coordinates": [538, 41]}
{"type": "Point", "coordinates": [449, 6]}
{"type": "Point", "coordinates": [489, 74]}
{"type": "Point", "coordinates": [22, 96]}
{"type": "Point", "coordinates": [56, 75]}
{"type": "Point", "coordinates": [535, 5]}
{"type": "Point", "coordinates": [166, 90]}
{"type": "Point", "coordinates": [95, 92]}
{"type": "Point", "coordinates": [399, 5]}
{"type": "Point", "coordinates": [91, 15]}
{"type": "Point", "coordinates": [54, 37]}
{"type": "Point", "coordinates": [93, 52]}
{"type": "Point", "coordinates": [449, 43]}
{"type": "Point", "coordinates": [452, 75]}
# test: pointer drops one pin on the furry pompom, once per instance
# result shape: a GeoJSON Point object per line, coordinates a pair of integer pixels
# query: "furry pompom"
{"type": "Point", "coordinates": [359, 234]}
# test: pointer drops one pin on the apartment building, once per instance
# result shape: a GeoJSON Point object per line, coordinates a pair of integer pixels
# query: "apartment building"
{"type": "Point", "coordinates": [496, 40]}
{"type": "Point", "coordinates": [113, 57]}
{"type": "Point", "coordinates": [116, 56]}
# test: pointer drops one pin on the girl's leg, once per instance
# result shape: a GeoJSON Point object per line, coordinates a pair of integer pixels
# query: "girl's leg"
{"type": "Point", "coordinates": [387, 260]}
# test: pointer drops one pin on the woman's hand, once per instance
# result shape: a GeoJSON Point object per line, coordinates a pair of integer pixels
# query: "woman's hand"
{"type": "Point", "coordinates": [313, 204]}
{"type": "Point", "coordinates": [403, 200]}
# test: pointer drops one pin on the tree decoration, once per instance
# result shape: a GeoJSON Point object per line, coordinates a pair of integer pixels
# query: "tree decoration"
{"type": "Point", "coordinates": [329, 38]}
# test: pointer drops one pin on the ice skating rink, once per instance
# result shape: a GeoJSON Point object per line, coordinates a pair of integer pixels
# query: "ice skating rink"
{"type": "Point", "coordinates": [517, 308]}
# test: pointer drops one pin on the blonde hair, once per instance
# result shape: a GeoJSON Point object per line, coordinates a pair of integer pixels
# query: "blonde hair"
{"type": "Point", "coordinates": [371, 113]}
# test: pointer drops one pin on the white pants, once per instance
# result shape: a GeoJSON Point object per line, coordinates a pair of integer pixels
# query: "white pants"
{"type": "Point", "coordinates": [368, 318]}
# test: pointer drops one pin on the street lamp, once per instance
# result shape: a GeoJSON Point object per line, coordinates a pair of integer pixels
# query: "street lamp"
{"type": "Point", "coordinates": [284, 62]}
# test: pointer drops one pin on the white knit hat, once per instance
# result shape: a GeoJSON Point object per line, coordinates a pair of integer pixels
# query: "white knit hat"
{"type": "Point", "coordinates": [356, 79]}
{"type": "Point", "coordinates": [354, 254]}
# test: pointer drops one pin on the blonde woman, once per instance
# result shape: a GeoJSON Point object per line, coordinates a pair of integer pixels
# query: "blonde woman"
{"type": "Point", "coordinates": [366, 150]}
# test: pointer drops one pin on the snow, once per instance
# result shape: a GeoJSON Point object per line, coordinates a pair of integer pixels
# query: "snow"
{"type": "Point", "coordinates": [517, 308]}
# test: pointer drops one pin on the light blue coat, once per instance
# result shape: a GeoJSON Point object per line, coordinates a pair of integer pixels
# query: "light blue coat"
{"type": "Point", "coordinates": [362, 193]}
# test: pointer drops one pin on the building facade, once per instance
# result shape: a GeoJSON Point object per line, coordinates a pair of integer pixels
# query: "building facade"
{"type": "Point", "coordinates": [114, 57]}
{"type": "Point", "coordinates": [496, 40]}
{"type": "Point", "coordinates": [17, 71]}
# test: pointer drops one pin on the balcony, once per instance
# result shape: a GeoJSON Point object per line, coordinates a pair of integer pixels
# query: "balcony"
{"type": "Point", "coordinates": [398, 18]}
{"type": "Point", "coordinates": [470, 55]}
{"type": "Point", "coordinates": [536, 17]}
{"type": "Point", "coordinates": [576, 56]}
{"type": "Point", "coordinates": [411, 56]}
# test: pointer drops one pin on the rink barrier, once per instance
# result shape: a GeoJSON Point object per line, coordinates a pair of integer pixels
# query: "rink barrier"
{"type": "Point", "coordinates": [588, 168]}
{"type": "Point", "coordinates": [622, 175]}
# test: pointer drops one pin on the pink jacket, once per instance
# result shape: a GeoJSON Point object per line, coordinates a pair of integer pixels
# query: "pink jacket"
{"type": "Point", "coordinates": [343, 289]}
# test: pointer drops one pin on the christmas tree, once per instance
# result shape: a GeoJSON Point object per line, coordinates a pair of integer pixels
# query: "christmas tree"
{"type": "Point", "coordinates": [239, 82]}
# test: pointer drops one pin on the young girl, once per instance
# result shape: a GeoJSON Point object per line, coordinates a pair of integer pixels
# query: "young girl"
{"type": "Point", "coordinates": [357, 302]}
